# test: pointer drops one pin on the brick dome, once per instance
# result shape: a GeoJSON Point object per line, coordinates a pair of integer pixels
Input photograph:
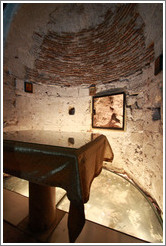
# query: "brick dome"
{"type": "Point", "coordinates": [86, 44]}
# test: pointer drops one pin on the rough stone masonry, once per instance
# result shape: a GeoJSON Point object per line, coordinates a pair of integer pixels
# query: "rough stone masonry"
{"type": "Point", "coordinates": [62, 52]}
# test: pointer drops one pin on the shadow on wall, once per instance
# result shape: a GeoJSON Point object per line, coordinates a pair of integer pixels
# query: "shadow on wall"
{"type": "Point", "coordinates": [9, 11]}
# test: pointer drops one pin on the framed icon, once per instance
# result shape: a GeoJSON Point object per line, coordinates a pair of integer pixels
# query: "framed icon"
{"type": "Point", "coordinates": [28, 87]}
{"type": "Point", "coordinates": [108, 111]}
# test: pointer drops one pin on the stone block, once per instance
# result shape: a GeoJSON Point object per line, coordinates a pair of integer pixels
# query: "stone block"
{"type": "Point", "coordinates": [131, 100]}
{"type": "Point", "coordinates": [137, 114]}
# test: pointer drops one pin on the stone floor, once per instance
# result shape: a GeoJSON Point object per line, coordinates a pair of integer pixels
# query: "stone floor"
{"type": "Point", "coordinates": [114, 203]}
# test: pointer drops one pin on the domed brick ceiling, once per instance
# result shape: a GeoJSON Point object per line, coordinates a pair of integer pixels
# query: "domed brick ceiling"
{"type": "Point", "coordinates": [88, 44]}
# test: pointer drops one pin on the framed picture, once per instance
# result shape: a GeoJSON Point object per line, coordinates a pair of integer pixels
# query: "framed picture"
{"type": "Point", "coordinates": [28, 87]}
{"type": "Point", "coordinates": [108, 111]}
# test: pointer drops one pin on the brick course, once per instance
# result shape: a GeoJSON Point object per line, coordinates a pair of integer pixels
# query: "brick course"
{"type": "Point", "coordinates": [114, 49]}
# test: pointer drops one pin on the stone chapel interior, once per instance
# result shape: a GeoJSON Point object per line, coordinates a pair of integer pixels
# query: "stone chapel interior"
{"type": "Point", "coordinates": [89, 68]}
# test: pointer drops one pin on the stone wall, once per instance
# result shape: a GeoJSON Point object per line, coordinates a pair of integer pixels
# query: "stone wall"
{"type": "Point", "coordinates": [137, 149]}
{"type": "Point", "coordinates": [123, 59]}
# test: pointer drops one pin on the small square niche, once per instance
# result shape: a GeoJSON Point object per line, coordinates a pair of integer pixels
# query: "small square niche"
{"type": "Point", "coordinates": [156, 114]}
{"type": "Point", "coordinates": [71, 111]}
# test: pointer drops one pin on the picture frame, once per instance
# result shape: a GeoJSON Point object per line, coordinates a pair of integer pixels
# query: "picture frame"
{"type": "Point", "coordinates": [108, 111]}
{"type": "Point", "coordinates": [28, 87]}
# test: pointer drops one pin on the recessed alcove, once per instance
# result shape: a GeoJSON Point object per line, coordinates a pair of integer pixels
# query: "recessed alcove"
{"type": "Point", "coordinates": [74, 51]}
{"type": "Point", "coordinates": [71, 111]}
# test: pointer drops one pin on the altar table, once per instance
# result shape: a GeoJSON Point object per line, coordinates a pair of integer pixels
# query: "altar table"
{"type": "Point", "coordinates": [49, 159]}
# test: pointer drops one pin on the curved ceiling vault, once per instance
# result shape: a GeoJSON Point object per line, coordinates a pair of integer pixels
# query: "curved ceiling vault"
{"type": "Point", "coordinates": [87, 44]}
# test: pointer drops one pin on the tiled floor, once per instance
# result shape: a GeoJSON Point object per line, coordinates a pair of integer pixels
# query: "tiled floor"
{"type": "Point", "coordinates": [114, 202]}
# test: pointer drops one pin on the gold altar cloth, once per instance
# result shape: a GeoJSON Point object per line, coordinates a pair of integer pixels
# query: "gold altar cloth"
{"type": "Point", "coordinates": [67, 160]}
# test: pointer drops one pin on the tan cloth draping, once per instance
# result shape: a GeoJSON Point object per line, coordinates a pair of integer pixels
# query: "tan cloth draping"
{"type": "Point", "coordinates": [72, 169]}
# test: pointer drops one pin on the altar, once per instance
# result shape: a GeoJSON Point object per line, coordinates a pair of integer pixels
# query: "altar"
{"type": "Point", "coordinates": [49, 159]}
